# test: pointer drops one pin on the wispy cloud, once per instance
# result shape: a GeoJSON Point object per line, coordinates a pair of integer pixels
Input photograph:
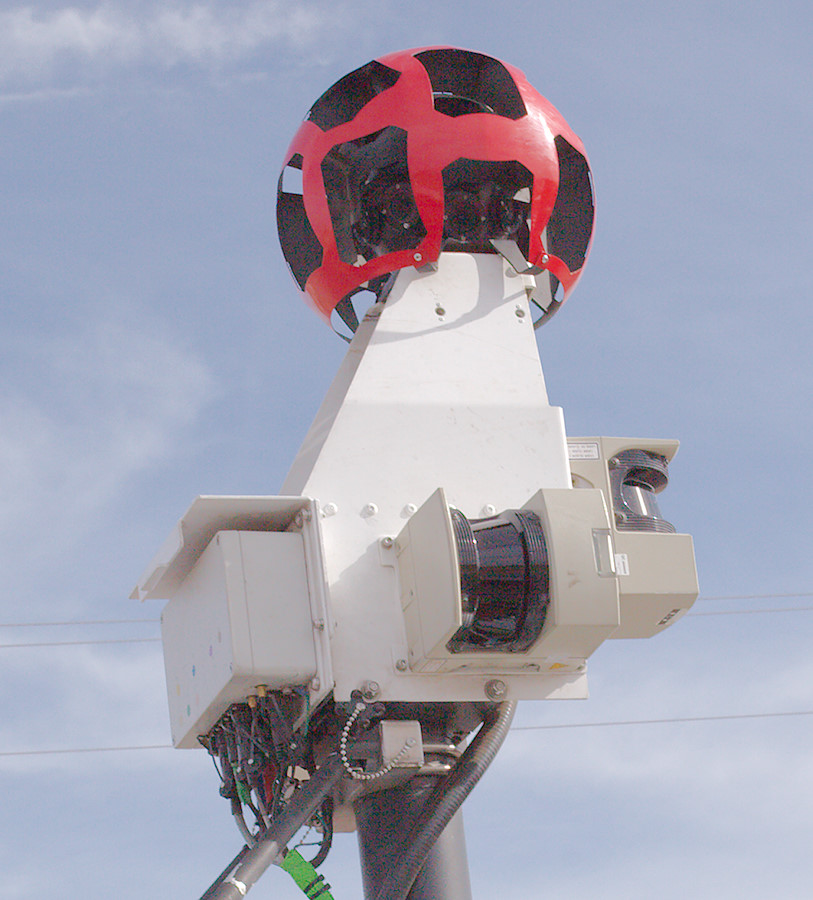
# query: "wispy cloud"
{"type": "Point", "coordinates": [36, 46]}
{"type": "Point", "coordinates": [98, 405]}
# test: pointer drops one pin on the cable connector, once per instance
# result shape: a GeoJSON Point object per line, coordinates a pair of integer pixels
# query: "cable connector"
{"type": "Point", "coordinates": [357, 774]}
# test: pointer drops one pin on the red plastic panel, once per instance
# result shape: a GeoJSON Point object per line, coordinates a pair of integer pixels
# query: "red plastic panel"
{"type": "Point", "coordinates": [377, 147]}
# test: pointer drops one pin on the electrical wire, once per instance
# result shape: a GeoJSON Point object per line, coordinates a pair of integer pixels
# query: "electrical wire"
{"type": "Point", "coordinates": [101, 642]}
{"type": "Point", "coordinates": [78, 622]}
{"type": "Point", "coordinates": [93, 622]}
{"type": "Point", "coordinates": [751, 612]}
{"type": "Point", "coordinates": [550, 727]}
{"type": "Point", "coordinates": [757, 596]}
{"type": "Point", "coordinates": [669, 721]}
{"type": "Point", "coordinates": [66, 751]}
{"type": "Point", "coordinates": [83, 643]}
{"type": "Point", "coordinates": [703, 599]}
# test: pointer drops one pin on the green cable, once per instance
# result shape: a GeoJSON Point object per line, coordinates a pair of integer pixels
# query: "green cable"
{"type": "Point", "coordinates": [303, 873]}
{"type": "Point", "coordinates": [243, 791]}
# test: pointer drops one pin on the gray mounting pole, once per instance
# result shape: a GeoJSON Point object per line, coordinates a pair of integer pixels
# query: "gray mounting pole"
{"type": "Point", "coordinates": [384, 818]}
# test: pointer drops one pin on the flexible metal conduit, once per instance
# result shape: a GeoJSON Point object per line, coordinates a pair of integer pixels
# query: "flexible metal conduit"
{"type": "Point", "coordinates": [447, 798]}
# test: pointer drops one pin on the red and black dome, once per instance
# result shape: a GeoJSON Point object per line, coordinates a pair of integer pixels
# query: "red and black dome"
{"type": "Point", "coordinates": [427, 151]}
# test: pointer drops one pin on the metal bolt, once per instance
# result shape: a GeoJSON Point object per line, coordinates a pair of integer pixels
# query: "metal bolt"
{"type": "Point", "coordinates": [370, 690]}
{"type": "Point", "coordinates": [545, 258]}
{"type": "Point", "coordinates": [613, 463]}
{"type": "Point", "coordinates": [330, 509]}
{"type": "Point", "coordinates": [489, 509]}
{"type": "Point", "coordinates": [519, 312]}
{"type": "Point", "coordinates": [440, 310]}
{"type": "Point", "coordinates": [369, 510]}
{"type": "Point", "coordinates": [409, 509]}
{"type": "Point", "coordinates": [401, 665]}
{"type": "Point", "coordinates": [496, 689]}
{"type": "Point", "coordinates": [417, 257]}
{"type": "Point", "coordinates": [387, 542]}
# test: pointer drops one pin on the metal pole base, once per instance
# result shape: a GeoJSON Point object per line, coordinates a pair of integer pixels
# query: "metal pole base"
{"type": "Point", "coordinates": [384, 818]}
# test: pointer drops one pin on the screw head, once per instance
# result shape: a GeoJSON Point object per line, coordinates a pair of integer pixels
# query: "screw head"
{"type": "Point", "coordinates": [496, 689]}
{"type": "Point", "coordinates": [401, 665]}
{"type": "Point", "coordinates": [370, 690]}
{"type": "Point", "coordinates": [387, 542]}
{"type": "Point", "coordinates": [417, 257]}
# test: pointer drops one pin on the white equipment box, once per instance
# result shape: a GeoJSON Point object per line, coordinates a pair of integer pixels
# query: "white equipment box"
{"type": "Point", "coordinates": [239, 619]}
{"type": "Point", "coordinates": [248, 606]}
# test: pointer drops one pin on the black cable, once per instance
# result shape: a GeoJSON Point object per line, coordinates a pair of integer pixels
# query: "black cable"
{"type": "Point", "coordinates": [305, 802]}
{"type": "Point", "coordinates": [326, 817]}
{"type": "Point", "coordinates": [446, 799]}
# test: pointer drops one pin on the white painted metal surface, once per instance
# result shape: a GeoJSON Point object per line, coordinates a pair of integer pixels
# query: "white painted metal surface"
{"type": "Point", "coordinates": [657, 577]}
{"type": "Point", "coordinates": [261, 606]}
{"type": "Point", "coordinates": [240, 619]}
{"type": "Point", "coordinates": [442, 387]}
{"type": "Point", "coordinates": [583, 607]}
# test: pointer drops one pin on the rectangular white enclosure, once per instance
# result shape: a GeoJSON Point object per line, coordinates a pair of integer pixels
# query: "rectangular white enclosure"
{"type": "Point", "coordinates": [239, 619]}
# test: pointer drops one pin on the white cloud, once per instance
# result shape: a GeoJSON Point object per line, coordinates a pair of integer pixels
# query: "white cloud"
{"type": "Point", "coordinates": [99, 405]}
{"type": "Point", "coordinates": [104, 696]}
{"type": "Point", "coordinates": [35, 45]}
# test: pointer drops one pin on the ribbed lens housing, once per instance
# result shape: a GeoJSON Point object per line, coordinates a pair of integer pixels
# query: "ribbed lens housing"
{"type": "Point", "coordinates": [636, 477]}
{"type": "Point", "coordinates": [503, 581]}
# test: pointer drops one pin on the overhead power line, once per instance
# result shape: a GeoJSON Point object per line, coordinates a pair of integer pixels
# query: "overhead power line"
{"type": "Point", "coordinates": [567, 725]}
{"type": "Point", "coordinates": [84, 750]}
{"type": "Point", "coordinates": [79, 622]}
{"type": "Point", "coordinates": [83, 643]}
{"type": "Point", "coordinates": [153, 621]}
{"type": "Point", "coordinates": [751, 612]}
{"type": "Point", "coordinates": [758, 596]}
{"type": "Point", "coordinates": [670, 721]}
{"type": "Point", "coordinates": [723, 612]}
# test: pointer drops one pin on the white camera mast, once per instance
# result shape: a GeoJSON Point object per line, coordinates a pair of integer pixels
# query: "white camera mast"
{"type": "Point", "coordinates": [441, 549]}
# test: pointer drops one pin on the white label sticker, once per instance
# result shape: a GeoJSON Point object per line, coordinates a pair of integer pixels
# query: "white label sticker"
{"type": "Point", "coordinates": [622, 564]}
{"type": "Point", "coordinates": [582, 450]}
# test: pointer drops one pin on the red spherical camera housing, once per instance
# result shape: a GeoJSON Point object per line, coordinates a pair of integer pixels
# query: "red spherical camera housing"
{"type": "Point", "coordinates": [428, 151]}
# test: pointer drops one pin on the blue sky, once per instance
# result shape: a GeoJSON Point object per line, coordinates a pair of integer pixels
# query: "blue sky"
{"type": "Point", "coordinates": [154, 348]}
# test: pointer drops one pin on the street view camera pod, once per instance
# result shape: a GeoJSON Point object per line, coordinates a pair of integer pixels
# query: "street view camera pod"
{"type": "Point", "coordinates": [439, 543]}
